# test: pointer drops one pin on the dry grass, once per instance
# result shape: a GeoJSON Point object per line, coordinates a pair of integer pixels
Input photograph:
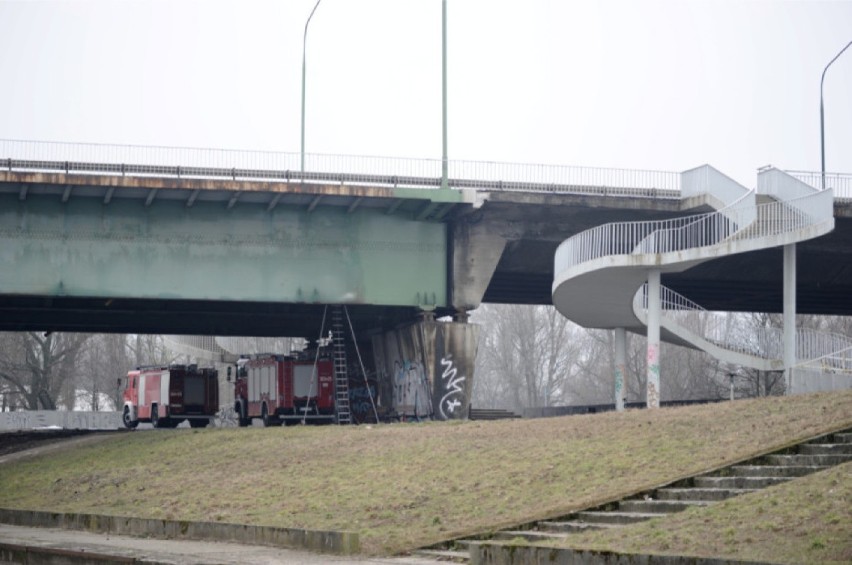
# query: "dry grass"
{"type": "Point", "coordinates": [407, 485]}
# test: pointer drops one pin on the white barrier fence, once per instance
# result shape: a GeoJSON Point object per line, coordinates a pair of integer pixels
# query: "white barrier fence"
{"type": "Point", "coordinates": [40, 419]}
{"type": "Point", "coordinates": [191, 162]}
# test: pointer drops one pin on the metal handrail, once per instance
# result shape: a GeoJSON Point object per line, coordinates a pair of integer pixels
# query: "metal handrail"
{"type": "Point", "coordinates": [739, 220]}
{"type": "Point", "coordinates": [841, 183]}
{"type": "Point", "coordinates": [731, 332]}
{"type": "Point", "coordinates": [796, 206]}
{"type": "Point", "coordinates": [194, 162]}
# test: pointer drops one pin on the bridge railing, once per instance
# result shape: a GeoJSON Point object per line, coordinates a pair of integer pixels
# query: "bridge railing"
{"type": "Point", "coordinates": [697, 231]}
{"type": "Point", "coordinates": [840, 182]}
{"type": "Point", "coordinates": [188, 162]}
{"type": "Point", "coordinates": [736, 332]}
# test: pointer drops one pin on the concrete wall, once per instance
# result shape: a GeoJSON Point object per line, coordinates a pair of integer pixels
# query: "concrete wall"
{"type": "Point", "coordinates": [814, 380]}
{"type": "Point", "coordinates": [429, 366]}
{"type": "Point", "coordinates": [30, 419]}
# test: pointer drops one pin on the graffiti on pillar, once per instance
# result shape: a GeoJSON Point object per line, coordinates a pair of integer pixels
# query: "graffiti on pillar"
{"type": "Point", "coordinates": [453, 398]}
{"type": "Point", "coordinates": [361, 398]}
{"type": "Point", "coordinates": [411, 389]}
{"type": "Point", "coordinates": [653, 385]}
{"type": "Point", "coordinates": [620, 371]}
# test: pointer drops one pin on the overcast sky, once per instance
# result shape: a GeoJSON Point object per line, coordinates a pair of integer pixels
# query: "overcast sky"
{"type": "Point", "coordinates": [632, 84]}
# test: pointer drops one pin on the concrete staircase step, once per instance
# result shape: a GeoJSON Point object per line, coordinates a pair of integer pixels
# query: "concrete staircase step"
{"type": "Point", "coordinates": [572, 526]}
{"type": "Point", "coordinates": [775, 470]}
{"type": "Point", "coordinates": [799, 460]}
{"type": "Point", "coordinates": [529, 535]}
{"type": "Point", "coordinates": [615, 517]}
{"type": "Point", "coordinates": [739, 482]}
{"type": "Point", "coordinates": [443, 554]}
{"type": "Point", "coordinates": [825, 449]}
{"type": "Point", "coordinates": [817, 455]}
{"type": "Point", "coordinates": [701, 494]}
{"type": "Point", "coordinates": [659, 506]}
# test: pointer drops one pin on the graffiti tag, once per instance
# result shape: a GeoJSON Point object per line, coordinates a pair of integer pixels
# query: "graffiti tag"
{"type": "Point", "coordinates": [454, 395]}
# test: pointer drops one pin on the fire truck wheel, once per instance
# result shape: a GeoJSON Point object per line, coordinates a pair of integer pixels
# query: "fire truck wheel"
{"type": "Point", "coordinates": [155, 416]}
{"type": "Point", "coordinates": [264, 416]}
{"type": "Point", "coordinates": [198, 423]}
{"type": "Point", "coordinates": [242, 419]}
{"type": "Point", "coordinates": [129, 422]}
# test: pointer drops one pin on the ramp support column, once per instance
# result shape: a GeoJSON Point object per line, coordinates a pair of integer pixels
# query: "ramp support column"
{"type": "Point", "coordinates": [620, 367]}
{"type": "Point", "coordinates": [652, 385]}
{"type": "Point", "coordinates": [789, 314]}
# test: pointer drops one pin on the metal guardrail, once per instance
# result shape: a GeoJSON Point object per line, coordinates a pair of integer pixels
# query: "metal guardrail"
{"type": "Point", "coordinates": [734, 332]}
{"type": "Point", "coordinates": [798, 206]}
{"type": "Point", "coordinates": [183, 162]}
{"type": "Point", "coordinates": [700, 230]}
{"type": "Point", "coordinates": [841, 183]}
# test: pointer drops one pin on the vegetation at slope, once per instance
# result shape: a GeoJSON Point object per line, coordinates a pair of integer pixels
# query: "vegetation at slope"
{"type": "Point", "coordinates": [407, 485]}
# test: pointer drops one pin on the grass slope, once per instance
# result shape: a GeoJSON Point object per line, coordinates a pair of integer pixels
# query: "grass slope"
{"type": "Point", "coordinates": [404, 486]}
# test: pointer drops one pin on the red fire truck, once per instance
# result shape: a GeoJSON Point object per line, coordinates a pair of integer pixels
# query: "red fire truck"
{"type": "Point", "coordinates": [166, 396]}
{"type": "Point", "coordinates": [279, 389]}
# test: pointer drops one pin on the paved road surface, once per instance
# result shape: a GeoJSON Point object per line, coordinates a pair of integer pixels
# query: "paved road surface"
{"type": "Point", "coordinates": [182, 552]}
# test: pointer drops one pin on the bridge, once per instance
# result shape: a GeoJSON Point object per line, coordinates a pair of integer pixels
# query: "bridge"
{"type": "Point", "coordinates": [198, 241]}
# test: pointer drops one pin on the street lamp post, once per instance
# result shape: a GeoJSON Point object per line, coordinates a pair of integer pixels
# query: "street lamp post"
{"type": "Point", "coordinates": [822, 113]}
{"type": "Point", "coordinates": [444, 162]}
{"type": "Point", "coordinates": [304, 47]}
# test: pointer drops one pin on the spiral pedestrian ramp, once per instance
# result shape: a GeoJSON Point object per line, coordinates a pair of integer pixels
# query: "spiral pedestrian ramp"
{"type": "Point", "coordinates": [608, 277]}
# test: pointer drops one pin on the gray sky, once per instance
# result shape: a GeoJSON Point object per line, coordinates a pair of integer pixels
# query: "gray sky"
{"type": "Point", "coordinates": [642, 84]}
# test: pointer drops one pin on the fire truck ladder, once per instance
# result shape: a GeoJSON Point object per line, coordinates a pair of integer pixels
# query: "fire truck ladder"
{"type": "Point", "coordinates": [341, 372]}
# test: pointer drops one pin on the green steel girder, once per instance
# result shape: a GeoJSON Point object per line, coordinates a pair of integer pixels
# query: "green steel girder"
{"type": "Point", "coordinates": [167, 250]}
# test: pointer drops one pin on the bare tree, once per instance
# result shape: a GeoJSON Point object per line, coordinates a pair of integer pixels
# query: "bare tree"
{"type": "Point", "coordinates": [108, 357]}
{"type": "Point", "coordinates": [38, 366]}
{"type": "Point", "coordinates": [526, 355]}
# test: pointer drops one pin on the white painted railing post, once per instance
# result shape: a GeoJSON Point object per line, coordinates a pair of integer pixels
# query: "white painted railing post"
{"type": "Point", "coordinates": [789, 314]}
{"type": "Point", "coordinates": [620, 367]}
{"type": "Point", "coordinates": [654, 310]}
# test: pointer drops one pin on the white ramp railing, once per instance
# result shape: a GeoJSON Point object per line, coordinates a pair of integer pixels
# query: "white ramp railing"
{"type": "Point", "coordinates": [736, 332]}
{"type": "Point", "coordinates": [796, 212]}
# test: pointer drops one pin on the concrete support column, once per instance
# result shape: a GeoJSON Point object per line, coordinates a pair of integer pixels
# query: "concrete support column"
{"type": "Point", "coordinates": [654, 311]}
{"type": "Point", "coordinates": [620, 367]}
{"type": "Point", "coordinates": [427, 368]}
{"type": "Point", "coordinates": [789, 314]}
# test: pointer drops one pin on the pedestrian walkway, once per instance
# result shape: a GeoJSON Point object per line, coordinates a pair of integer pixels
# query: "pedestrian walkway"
{"type": "Point", "coordinates": [83, 547]}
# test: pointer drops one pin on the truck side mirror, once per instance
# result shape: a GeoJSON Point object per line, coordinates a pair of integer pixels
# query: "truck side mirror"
{"type": "Point", "coordinates": [118, 382]}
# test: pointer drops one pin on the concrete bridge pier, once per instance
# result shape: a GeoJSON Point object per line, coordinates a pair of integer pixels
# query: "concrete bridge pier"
{"type": "Point", "coordinates": [620, 367]}
{"type": "Point", "coordinates": [654, 312]}
{"type": "Point", "coordinates": [429, 365]}
{"type": "Point", "coordinates": [789, 314]}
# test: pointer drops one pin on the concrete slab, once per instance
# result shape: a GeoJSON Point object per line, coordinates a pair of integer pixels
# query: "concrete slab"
{"type": "Point", "coordinates": [126, 548]}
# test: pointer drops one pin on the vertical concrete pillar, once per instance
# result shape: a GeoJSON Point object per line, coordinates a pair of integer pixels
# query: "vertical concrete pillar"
{"type": "Point", "coordinates": [654, 312]}
{"type": "Point", "coordinates": [789, 314]}
{"type": "Point", "coordinates": [429, 367]}
{"type": "Point", "coordinates": [620, 367]}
